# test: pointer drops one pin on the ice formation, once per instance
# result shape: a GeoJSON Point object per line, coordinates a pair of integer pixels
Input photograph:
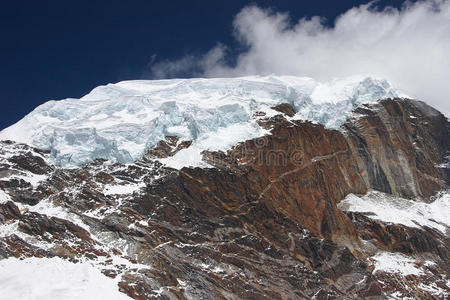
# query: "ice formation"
{"type": "Point", "coordinates": [120, 121]}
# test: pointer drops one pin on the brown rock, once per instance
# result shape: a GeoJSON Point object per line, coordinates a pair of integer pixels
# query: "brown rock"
{"type": "Point", "coordinates": [285, 108]}
{"type": "Point", "coordinates": [9, 211]}
{"type": "Point", "coordinates": [168, 147]}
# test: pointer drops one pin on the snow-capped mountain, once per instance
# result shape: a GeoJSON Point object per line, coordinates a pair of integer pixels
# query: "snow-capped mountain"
{"type": "Point", "coordinates": [120, 121]}
{"type": "Point", "coordinates": [299, 190]}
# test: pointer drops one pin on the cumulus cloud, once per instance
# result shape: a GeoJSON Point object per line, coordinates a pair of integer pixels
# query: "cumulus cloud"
{"type": "Point", "coordinates": [409, 46]}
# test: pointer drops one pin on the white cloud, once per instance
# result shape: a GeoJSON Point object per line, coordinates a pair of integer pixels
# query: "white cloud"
{"type": "Point", "coordinates": [408, 46]}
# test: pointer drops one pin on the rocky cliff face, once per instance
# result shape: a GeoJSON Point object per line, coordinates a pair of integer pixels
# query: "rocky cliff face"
{"type": "Point", "coordinates": [262, 222]}
{"type": "Point", "coordinates": [397, 145]}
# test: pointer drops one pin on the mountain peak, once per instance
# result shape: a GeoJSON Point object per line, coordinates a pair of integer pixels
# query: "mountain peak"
{"type": "Point", "coordinates": [120, 121]}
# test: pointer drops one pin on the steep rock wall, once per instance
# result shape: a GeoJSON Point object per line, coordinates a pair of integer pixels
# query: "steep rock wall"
{"type": "Point", "coordinates": [302, 169]}
{"type": "Point", "coordinates": [398, 145]}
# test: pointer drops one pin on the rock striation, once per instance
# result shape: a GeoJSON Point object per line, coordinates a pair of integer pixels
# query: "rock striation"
{"type": "Point", "coordinates": [262, 221]}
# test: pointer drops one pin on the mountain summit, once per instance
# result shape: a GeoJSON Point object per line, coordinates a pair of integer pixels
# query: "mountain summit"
{"type": "Point", "coordinates": [120, 121]}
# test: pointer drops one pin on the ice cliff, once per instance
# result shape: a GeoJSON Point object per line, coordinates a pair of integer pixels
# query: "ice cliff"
{"type": "Point", "coordinates": [120, 121]}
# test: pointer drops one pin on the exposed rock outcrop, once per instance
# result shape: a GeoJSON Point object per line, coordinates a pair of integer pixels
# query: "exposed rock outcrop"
{"type": "Point", "coordinates": [168, 147]}
{"type": "Point", "coordinates": [398, 144]}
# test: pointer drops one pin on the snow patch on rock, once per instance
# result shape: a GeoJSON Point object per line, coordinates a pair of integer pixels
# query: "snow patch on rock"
{"type": "Point", "coordinates": [388, 208]}
{"type": "Point", "coordinates": [396, 263]}
{"type": "Point", "coordinates": [122, 189]}
{"type": "Point", "coordinates": [4, 197]}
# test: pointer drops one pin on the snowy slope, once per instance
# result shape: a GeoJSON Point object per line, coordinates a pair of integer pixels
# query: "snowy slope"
{"type": "Point", "coordinates": [54, 278]}
{"type": "Point", "coordinates": [411, 213]}
{"type": "Point", "coordinates": [119, 121]}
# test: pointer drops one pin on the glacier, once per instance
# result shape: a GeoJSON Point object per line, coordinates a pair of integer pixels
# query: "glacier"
{"type": "Point", "coordinates": [120, 121]}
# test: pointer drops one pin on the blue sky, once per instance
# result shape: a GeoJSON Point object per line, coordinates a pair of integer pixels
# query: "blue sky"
{"type": "Point", "coordinates": [52, 50]}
